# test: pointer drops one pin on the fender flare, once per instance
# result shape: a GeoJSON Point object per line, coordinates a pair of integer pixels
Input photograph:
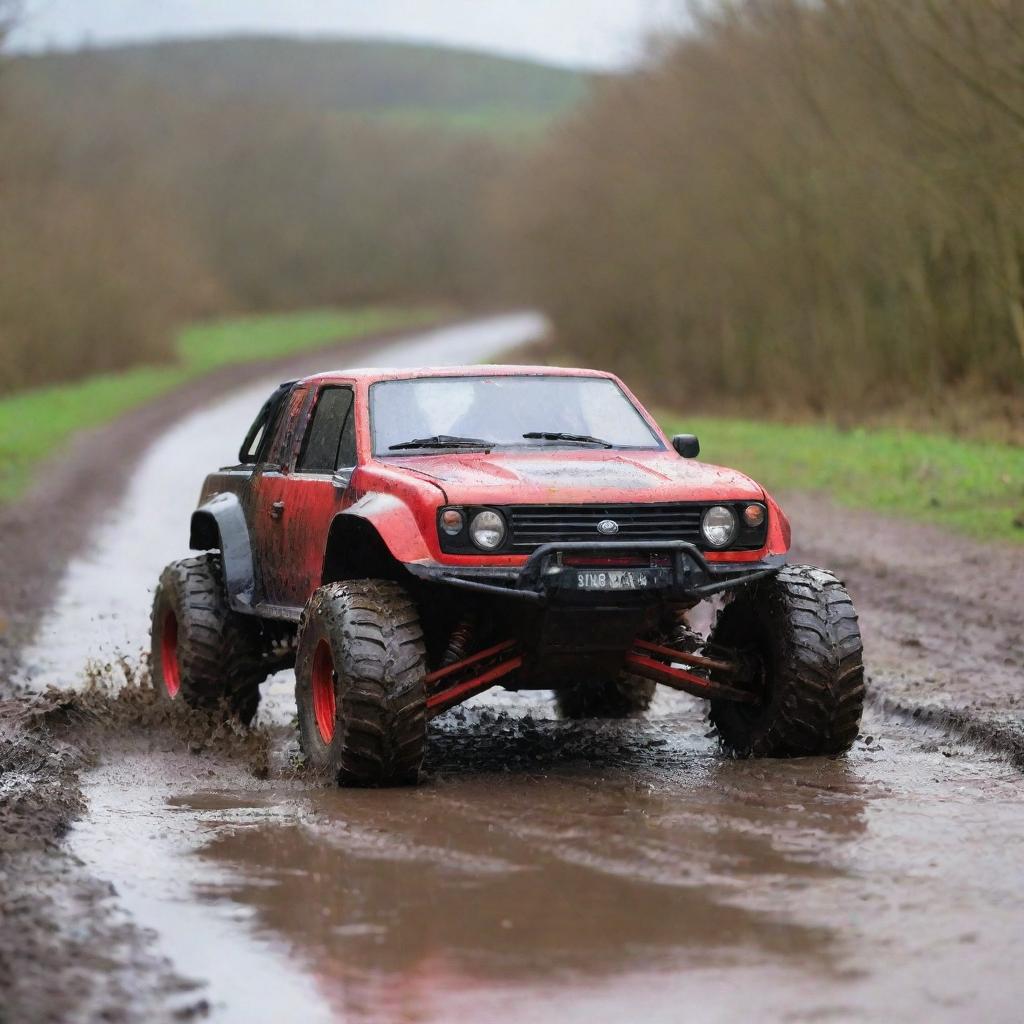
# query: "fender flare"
{"type": "Point", "coordinates": [220, 524]}
{"type": "Point", "coordinates": [390, 520]}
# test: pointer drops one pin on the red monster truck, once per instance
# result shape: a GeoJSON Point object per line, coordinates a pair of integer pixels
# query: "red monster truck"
{"type": "Point", "coordinates": [409, 539]}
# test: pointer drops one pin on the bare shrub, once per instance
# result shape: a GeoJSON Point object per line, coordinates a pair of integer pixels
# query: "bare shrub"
{"type": "Point", "coordinates": [804, 205]}
{"type": "Point", "coordinates": [128, 207]}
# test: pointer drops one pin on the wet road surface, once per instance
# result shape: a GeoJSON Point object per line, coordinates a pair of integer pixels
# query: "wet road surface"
{"type": "Point", "coordinates": [564, 872]}
{"type": "Point", "coordinates": [546, 870]}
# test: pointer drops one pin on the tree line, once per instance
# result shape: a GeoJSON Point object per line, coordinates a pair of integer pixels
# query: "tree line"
{"type": "Point", "coordinates": [128, 209]}
{"type": "Point", "coordinates": [812, 205]}
{"type": "Point", "coordinates": [797, 206]}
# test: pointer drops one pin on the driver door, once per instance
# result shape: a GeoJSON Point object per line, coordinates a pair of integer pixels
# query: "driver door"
{"type": "Point", "coordinates": [268, 501]}
{"type": "Point", "coordinates": [316, 490]}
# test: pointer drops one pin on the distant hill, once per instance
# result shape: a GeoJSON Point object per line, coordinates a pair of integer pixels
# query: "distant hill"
{"type": "Point", "coordinates": [414, 83]}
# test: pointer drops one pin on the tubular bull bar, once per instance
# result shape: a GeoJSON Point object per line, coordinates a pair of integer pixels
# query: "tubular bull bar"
{"type": "Point", "coordinates": [688, 577]}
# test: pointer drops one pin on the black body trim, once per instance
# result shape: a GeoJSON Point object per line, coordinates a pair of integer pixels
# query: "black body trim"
{"type": "Point", "coordinates": [220, 523]}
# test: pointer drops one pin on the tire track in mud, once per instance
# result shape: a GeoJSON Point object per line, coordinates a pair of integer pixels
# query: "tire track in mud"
{"type": "Point", "coordinates": [942, 618]}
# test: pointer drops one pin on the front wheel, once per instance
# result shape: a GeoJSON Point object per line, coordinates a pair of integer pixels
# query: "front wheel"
{"type": "Point", "coordinates": [798, 632]}
{"type": "Point", "coordinates": [359, 684]}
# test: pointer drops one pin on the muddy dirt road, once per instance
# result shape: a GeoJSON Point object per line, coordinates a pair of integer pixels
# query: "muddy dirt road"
{"type": "Point", "coordinates": [546, 870]}
{"type": "Point", "coordinates": [559, 872]}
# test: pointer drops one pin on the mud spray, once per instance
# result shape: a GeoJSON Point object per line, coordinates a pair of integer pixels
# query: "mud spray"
{"type": "Point", "coordinates": [65, 951]}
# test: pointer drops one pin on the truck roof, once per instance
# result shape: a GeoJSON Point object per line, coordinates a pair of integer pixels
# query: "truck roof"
{"type": "Point", "coordinates": [371, 373]}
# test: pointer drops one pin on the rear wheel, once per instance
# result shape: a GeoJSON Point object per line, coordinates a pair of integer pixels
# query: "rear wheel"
{"type": "Point", "coordinates": [617, 698]}
{"type": "Point", "coordinates": [201, 652]}
{"type": "Point", "coordinates": [798, 630]}
{"type": "Point", "coordinates": [359, 685]}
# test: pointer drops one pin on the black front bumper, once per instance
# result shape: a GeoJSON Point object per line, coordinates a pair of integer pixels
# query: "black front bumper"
{"type": "Point", "coordinates": [688, 577]}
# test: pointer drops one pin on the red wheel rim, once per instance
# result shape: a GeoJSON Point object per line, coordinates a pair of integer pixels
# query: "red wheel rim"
{"type": "Point", "coordinates": [324, 707]}
{"type": "Point", "coordinates": [169, 655]}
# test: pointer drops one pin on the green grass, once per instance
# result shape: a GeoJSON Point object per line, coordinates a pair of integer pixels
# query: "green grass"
{"type": "Point", "coordinates": [502, 124]}
{"type": "Point", "coordinates": [34, 424]}
{"type": "Point", "coordinates": [971, 487]}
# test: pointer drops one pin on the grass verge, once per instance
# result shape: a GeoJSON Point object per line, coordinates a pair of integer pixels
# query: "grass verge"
{"type": "Point", "coordinates": [975, 488]}
{"type": "Point", "coordinates": [34, 424]}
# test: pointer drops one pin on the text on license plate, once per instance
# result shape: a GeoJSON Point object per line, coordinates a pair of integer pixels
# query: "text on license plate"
{"type": "Point", "coordinates": [627, 579]}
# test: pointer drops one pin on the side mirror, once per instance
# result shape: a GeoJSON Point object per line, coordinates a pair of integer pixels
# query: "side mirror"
{"type": "Point", "coordinates": [687, 445]}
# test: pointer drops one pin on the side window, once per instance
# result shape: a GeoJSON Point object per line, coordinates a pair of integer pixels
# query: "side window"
{"type": "Point", "coordinates": [330, 442]}
{"type": "Point", "coordinates": [282, 432]}
{"type": "Point", "coordinates": [256, 440]}
{"type": "Point", "coordinates": [347, 448]}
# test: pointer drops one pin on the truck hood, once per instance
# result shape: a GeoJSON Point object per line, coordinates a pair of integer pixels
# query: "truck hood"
{"type": "Point", "coordinates": [577, 477]}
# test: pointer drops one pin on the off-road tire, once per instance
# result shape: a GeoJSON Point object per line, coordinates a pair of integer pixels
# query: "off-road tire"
{"type": "Point", "coordinates": [201, 652]}
{"type": "Point", "coordinates": [800, 629]}
{"type": "Point", "coordinates": [372, 732]}
{"type": "Point", "coordinates": [619, 698]}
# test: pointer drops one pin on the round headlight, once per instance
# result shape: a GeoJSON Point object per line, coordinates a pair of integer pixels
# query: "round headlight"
{"type": "Point", "coordinates": [452, 521]}
{"type": "Point", "coordinates": [487, 530]}
{"type": "Point", "coordinates": [719, 526]}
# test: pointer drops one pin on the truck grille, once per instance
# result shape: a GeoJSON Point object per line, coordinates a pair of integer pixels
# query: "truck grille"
{"type": "Point", "coordinates": [533, 525]}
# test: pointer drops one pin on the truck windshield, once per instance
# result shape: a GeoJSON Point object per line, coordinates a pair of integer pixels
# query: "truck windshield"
{"type": "Point", "coordinates": [425, 414]}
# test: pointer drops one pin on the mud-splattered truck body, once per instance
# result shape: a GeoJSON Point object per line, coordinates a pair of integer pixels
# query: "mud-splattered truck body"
{"type": "Point", "coordinates": [411, 538]}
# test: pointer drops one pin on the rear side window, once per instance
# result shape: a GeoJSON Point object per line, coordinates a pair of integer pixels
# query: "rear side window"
{"type": "Point", "coordinates": [256, 442]}
{"type": "Point", "coordinates": [331, 440]}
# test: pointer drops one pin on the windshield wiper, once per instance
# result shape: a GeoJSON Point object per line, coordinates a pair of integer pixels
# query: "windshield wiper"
{"type": "Point", "coordinates": [442, 441]}
{"type": "Point", "coordinates": [546, 435]}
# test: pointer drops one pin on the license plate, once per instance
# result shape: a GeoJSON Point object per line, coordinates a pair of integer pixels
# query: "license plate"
{"type": "Point", "coordinates": [617, 579]}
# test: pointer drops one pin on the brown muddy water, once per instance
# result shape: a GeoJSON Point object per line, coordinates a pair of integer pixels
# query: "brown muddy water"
{"type": "Point", "coordinates": [564, 871]}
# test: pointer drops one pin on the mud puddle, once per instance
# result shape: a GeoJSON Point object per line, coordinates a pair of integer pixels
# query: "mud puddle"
{"type": "Point", "coordinates": [553, 871]}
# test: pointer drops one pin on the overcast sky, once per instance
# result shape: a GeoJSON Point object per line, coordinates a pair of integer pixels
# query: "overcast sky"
{"type": "Point", "coordinates": [596, 33]}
